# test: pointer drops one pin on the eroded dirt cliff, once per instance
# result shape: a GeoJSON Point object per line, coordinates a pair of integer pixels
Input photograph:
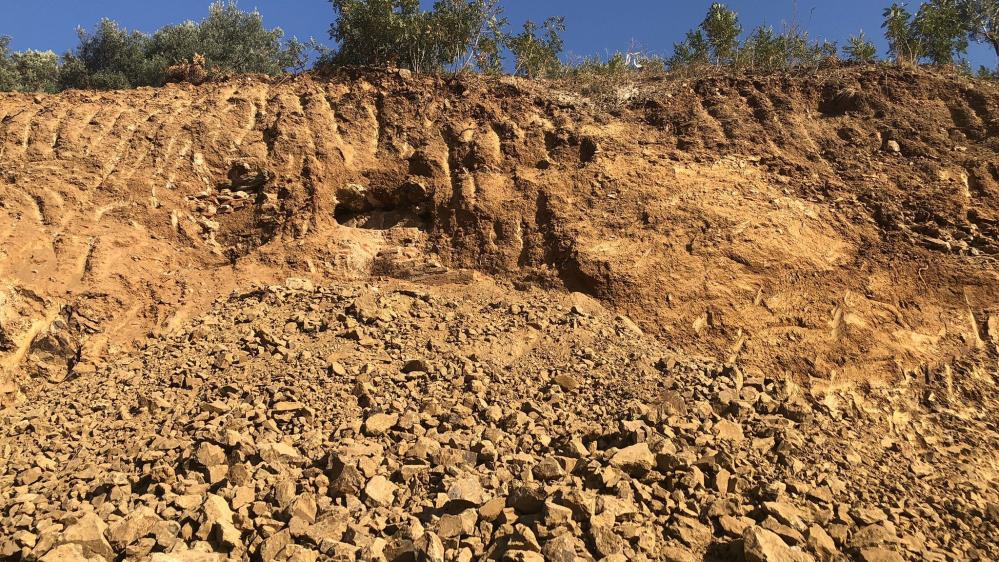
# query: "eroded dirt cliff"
{"type": "Point", "coordinates": [829, 242]}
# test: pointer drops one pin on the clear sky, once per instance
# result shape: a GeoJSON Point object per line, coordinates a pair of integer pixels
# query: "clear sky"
{"type": "Point", "coordinates": [593, 26]}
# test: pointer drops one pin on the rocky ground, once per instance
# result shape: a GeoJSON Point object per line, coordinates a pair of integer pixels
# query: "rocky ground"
{"type": "Point", "coordinates": [476, 420]}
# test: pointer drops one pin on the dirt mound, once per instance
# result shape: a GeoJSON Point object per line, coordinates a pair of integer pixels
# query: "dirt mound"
{"type": "Point", "coordinates": [809, 262]}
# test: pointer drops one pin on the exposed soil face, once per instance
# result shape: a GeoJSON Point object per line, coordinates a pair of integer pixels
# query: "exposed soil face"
{"type": "Point", "coordinates": [830, 242]}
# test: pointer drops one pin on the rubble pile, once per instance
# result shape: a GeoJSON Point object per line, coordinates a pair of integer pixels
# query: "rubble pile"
{"type": "Point", "coordinates": [473, 422]}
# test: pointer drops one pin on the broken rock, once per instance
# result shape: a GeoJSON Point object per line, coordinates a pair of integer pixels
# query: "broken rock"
{"type": "Point", "coordinates": [761, 545]}
{"type": "Point", "coordinates": [89, 533]}
{"type": "Point", "coordinates": [380, 491]}
{"type": "Point", "coordinates": [636, 459]}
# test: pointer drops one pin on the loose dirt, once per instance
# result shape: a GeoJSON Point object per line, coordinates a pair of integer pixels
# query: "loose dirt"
{"type": "Point", "coordinates": [390, 317]}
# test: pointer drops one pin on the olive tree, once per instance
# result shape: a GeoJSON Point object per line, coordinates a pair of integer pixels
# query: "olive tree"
{"type": "Point", "coordinates": [981, 18]}
{"type": "Point", "coordinates": [230, 40]}
{"type": "Point", "coordinates": [903, 42]}
{"type": "Point", "coordinates": [37, 71]}
{"type": "Point", "coordinates": [941, 29]}
{"type": "Point", "coordinates": [9, 79]}
{"type": "Point", "coordinates": [453, 34]}
{"type": "Point", "coordinates": [938, 32]}
{"type": "Point", "coordinates": [537, 56]}
{"type": "Point", "coordinates": [111, 57]}
{"type": "Point", "coordinates": [692, 51]}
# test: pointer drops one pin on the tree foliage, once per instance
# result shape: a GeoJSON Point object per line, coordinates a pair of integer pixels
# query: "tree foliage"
{"type": "Point", "coordinates": [860, 50]}
{"type": "Point", "coordinates": [769, 51]}
{"type": "Point", "coordinates": [488, 56]}
{"type": "Point", "coordinates": [534, 56]}
{"type": "Point", "coordinates": [229, 40]}
{"type": "Point", "coordinates": [938, 32]}
{"type": "Point", "coordinates": [693, 51]}
{"type": "Point", "coordinates": [721, 30]}
{"type": "Point", "coordinates": [454, 33]}
{"type": "Point", "coordinates": [9, 79]}
{"type": "Point", "coordinates": [941, 31]}
{"type": "Point", "coordinates": [765, 49]}
{"type": "Point", "coordinates": [36, 71]}
{"type": "Point", "coordinates": [903, 43]}
{"type": "Point", "coordinates": [30, 71]}
{"type": "Point", "coordinates": [460, 35]}
{"type": "Point", "coordinates": [110, 58]}
{"type": "Point", "coordinates": [715, 41]}
{"type": "Point", "coordinates": [981, 19]}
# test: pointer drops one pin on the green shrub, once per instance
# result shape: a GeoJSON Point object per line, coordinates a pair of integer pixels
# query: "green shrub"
{"type": "Point", "coordinates": [769, 51]}
{"type": "Point", "coordinates": [765, 49]}
{"type": "Point", "coordinates": [804, 52]}
{"type": "Point", "coordinates": [693, 51]}
{"type": "Point", "coordinates": [942, 31]}
{"type": "Point", "coordinates": [722, 29]}
{"type": "Point", "coordinates": [37, 71]}
{"type": "Point", "coordinates": [860, 50]}
{"type": "Point", "coordinates": [455, 33]}
{"type": "Point", "coordinates": [534, 56]}
{"type": "Point", "coordinates": [715, 41]}
{"type": "Point", "coordinates": [903, 42]}
{"type": "Point", "coordinates": [230, 41]}
{"type": "Point", "coordinates": [938, 32]}
{"type": "Point", "coordinates": [111, 58]}
{"type": "Point", "coordinates": [370, 32]}
{"type": "Point", "coordinates": [235, 41]}
{"type": "Point", "coordinates": [487, 53]}
{"type": "Point", "coordinates": [618, 64]}
{"type": "Point", "coordinates": [9, 78]}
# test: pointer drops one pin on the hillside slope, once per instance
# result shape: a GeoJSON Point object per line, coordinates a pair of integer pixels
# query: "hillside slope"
{"type": "Point", "coordinates": [828, 241]}
{"type": "Point", "coordinates": [762, 219]}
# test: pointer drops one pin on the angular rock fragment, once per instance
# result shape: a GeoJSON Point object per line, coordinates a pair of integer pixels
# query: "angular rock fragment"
{"type": "Point", "coordinates": [89, 533]}
{"type": "Point", "coordinates": [761, 545]}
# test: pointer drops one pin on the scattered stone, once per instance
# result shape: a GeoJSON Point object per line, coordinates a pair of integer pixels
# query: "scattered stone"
{"type": "Point", "coordinates": [378, 424]}
{"type": "Point", "coordinates": [277, 453]}
{"type": "Point", "coordinates": [677, 554]}
{"type": "Point", "coordinates": [457, 459]}
{"type": "Point", "coordinates": [729, 431]}
{"type": "Point", "coordinates": [634, 459]}
{"type": "Point", "coordinates": [379, 491]}
{"type": "Point", "coordinates": [69, 553]}
{"type": "Point", "coordinates": [822, 544]}
{"type": "Point", "coordinates": [217, 517]}
{"type": "Point", "coordinates": [416, 365]}
{"type": "Point", "coordinates": [761, 545]}
{"type": "Point", "coordinates": [467, 491]}
{"type": "Point", "coordinates": [274, 545]}
{"type": "Point", "coordinates": [209, 454]}
{"type": "Point", "coordinates": [137, 524]}
{"type": "Point", "coordinates": [187, 556]}
{"type": "Point", "coordinates": [880, 554]}
{"type": "Point", "coordinates": [88, 532]}
{"type": "Point", "coordinates": [567, 381]}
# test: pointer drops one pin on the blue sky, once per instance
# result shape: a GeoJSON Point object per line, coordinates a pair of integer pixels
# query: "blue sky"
{"type": "Point", "coordinates": [594, 27]}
